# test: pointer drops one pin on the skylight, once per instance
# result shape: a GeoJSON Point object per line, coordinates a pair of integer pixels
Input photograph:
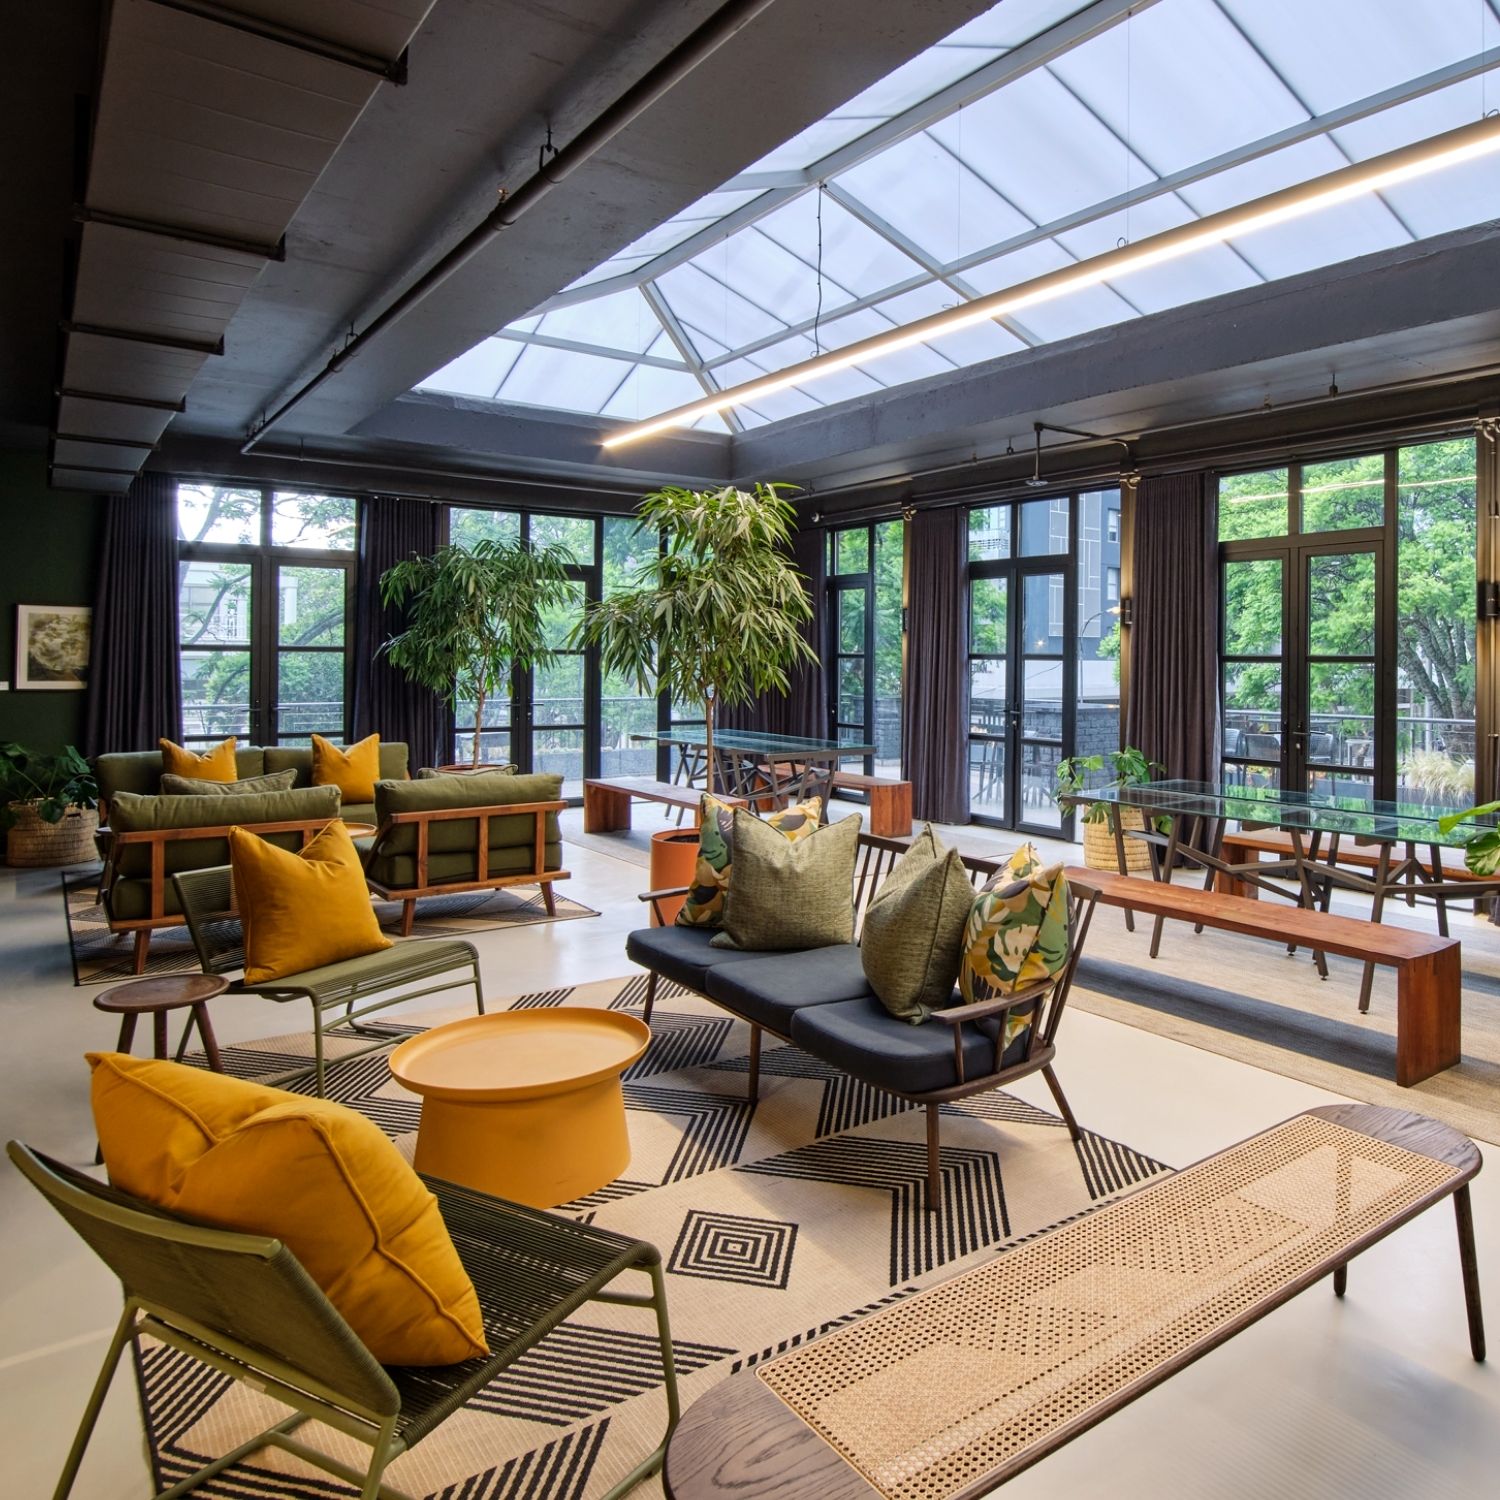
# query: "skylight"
{"type": "Point", "coordinates": [1040, 134]}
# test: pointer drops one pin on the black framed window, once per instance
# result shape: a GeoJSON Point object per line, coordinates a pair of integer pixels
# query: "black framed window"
{"type": "Point", "coordinates": [865, 648]}
{"type": "Point", "coordinates": [265, 589]}
{"type": "Point", "coordinates": [1347, 638]}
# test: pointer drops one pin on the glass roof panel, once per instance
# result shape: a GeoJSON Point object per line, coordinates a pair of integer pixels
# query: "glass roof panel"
{"type": "Point", "coordinates": [1169, 89]}
{"type": "Point", "coordinates": [620, 320]}
{"type": "Point", "coordinates": [1040, 148]}
{"type": "Point", "coordinates": [562, 378]}
{"type": "Point", "coordinates": [1179, 83]}
{"type": "Point", "coordinates": [1339, 50]}
{"type": "Point", "coordinates": [476, 372]}
{"type": "Point", "coordinates": [923, 190]}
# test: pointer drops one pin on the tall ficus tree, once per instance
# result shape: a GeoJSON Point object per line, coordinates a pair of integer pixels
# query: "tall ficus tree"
{"type": "Point", "coordinates": [716, 617]}
{"type": "Point", "coordinates": [475, 614]}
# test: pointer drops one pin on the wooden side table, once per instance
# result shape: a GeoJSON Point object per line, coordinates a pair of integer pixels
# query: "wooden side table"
{"type": "Point", "coordinates": [156, 998]}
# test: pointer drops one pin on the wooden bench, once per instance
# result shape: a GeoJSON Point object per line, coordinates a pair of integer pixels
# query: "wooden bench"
{"type": "Point", "coordinates": [1428, 977]}
{"type": "Point", "coordinates": [607, 799]}
{"type": "Point", "coordinates": [890, 802]}
{"type": "Point", "coordinates": [1241, 847]}
{"type": "Point", "coordinates": [953, 1391]}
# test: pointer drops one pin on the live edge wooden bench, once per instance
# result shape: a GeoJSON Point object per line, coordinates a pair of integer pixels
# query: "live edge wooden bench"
{"type": "Point", "coordinates": [946, 1394]}
{"type": "Point", "coordinates": [890, 802]}
{"type": "Point", "coordinates": [1428, 974]}
{"type": "Point", "coordinates": [607, 799]}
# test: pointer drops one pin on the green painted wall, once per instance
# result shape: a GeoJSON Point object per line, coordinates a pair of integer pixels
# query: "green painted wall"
{"type": "Point", "coordinates": [49, 554]}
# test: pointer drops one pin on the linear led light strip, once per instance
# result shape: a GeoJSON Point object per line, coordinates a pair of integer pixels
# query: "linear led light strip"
{"type": "Point", "coordinates": [1432, 155]}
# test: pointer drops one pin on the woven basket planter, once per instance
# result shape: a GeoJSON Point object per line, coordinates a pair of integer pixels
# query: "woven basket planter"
{"type": "Point", "coordinates": [1099, 843]}
{"type": "Point", "coordinates": [35, 842]}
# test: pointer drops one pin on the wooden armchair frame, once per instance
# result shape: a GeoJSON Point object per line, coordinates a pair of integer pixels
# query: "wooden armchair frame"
{"type": "Point", "coordinates": [408, 896]}
{"type": "Point", "coordinates": [157, 839]}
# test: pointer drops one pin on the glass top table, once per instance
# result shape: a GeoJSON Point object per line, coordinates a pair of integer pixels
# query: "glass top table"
{"type": "Point", "coordinates": [1373, 821]}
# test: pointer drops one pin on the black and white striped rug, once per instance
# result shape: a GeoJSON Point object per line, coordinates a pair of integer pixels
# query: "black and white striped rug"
{"type": "Point", "coordinates": [776, 1221]}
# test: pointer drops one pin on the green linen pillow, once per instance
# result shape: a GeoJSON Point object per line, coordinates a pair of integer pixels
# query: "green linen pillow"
{"type": "Point", "coordinates": [507, 769]}
{"type": "Point", "coordinates": [704, 906]}
{"type": "Point", "coordinates": [790, 894]}
{"type": "Point", "coordinates": [913, 935]}
{"type": "Point", "coordinates": [191, 786]}
{"type": "Point", "coordinates": [1018, 933]}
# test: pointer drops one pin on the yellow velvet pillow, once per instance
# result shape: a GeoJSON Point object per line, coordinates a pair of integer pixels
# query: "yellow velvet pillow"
{"type": "Point", "coordinates": [353, 769]}
{"type": "Point", "coordinates": [313, 1174]}
{"type": "Point", "coordinates": [217, 764]}
{"type": "Point", "coordinates": [300, 911]}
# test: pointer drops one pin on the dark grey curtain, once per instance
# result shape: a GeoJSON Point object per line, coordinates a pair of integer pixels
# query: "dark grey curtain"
{"type": "Point", "coordinates": [385, 701]}
{"type": "Point", "coordinates": [134, 693]}
{"type": "Point", "coordinates": [1173, 712]}
{"type": "Point", "coordinates": [803, 709]}
{"type": "Point", "coordinates": [934, 728]}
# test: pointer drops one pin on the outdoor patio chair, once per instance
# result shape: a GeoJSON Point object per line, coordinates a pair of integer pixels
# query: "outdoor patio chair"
{"type": "Point", "coordinates": [357, 986]}
{"type": "Point", "coordinates": [243, 1305]}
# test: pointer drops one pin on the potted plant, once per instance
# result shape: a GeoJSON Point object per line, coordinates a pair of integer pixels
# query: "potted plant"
{"type": "Point", "coordinates": [47, 806]}
{"type": "Point", "coordinates": [716, 616]}
{"type": "Point", "coordinates": [1080, 775]}
{"type": "Point", "coordinates": [476, 614]}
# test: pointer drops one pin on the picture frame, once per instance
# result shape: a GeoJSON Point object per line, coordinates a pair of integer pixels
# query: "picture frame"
{"type": "Point", "coordinates": [52, 647]}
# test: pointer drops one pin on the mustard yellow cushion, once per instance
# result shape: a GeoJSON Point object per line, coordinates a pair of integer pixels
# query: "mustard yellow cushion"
{"type": "Point", "coordinates": [301, 910]}
{"type": "Point", "coordinates": [353, 769]}
{"type": "Point", "coordinates": [217, 764]}
{"type": "Point", "coordinates": [314, 1174]}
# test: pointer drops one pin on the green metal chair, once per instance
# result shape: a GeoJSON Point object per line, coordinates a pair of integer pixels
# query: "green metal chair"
{"type": "Point", "coordinates": [358, 986]}
{"type": "Point", "coordinates": [243, 1305]}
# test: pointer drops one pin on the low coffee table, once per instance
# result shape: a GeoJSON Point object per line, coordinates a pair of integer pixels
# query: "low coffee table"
{"type": "Point", "coordinates": [525, 1104]}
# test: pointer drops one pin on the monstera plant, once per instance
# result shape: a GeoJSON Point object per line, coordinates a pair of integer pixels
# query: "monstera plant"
{"type": "Point", "coordinates": [1482, 851]}
{"type": "Point", "coordinates": [716, 617]}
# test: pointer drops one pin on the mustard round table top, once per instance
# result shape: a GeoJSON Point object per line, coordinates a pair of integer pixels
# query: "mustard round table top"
{"type": "Point", "coordinates": [519, 1054]}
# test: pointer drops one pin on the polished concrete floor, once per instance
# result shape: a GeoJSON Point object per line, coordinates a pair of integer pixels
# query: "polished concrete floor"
{"type": "Point", "coordinates": [1372, 1397]}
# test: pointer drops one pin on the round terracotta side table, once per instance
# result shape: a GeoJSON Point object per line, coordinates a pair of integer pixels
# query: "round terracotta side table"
{"type": "Point", "coordinates": [524, 1104]}
{"type": "Point", "coordinates": [157, 998]}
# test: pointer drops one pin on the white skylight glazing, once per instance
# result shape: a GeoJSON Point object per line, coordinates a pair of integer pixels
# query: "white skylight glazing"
{"type": "Point", "coordinates": [1041, 134]}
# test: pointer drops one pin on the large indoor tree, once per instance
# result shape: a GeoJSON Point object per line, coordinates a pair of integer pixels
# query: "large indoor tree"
{"type": "Point", "coordinates": [475, 615]}
{"type": "Point", "coordinates": [716, 615]}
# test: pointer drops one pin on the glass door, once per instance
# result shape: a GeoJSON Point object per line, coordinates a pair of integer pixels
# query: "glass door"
{"type": "Point", "coordinates": [1042, 705]}
{"type": "Point", "coordinates": [558, 698]}
{"type": "Point", "coordinates": [1304, 690]}
{"type": "Point", "coordinates": [850, 688]}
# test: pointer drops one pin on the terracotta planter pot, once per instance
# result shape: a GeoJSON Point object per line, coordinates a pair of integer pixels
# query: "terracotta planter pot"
{"type": "Point", "coordinates": [33, 842]}
{"type": "Point", "coordinates": [674, 857]}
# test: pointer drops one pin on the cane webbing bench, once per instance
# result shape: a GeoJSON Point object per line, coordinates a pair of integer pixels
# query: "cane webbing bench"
{"type": "Point", "coordinates": [950, 1392]}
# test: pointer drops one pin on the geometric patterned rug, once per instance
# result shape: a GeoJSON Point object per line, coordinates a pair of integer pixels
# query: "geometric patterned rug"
{"type": "Point", "coordinates": [776, 1221]}
{"type": "Point", "coordinates": [104, 957]}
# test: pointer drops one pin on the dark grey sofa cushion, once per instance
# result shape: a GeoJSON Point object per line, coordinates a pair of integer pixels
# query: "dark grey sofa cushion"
{"type": "Point", "coordinates": [681, 954]}
{"type": "Point", "coordinates": [864, 1039]}
{"type": "Point", "coordinates": [773, 987]}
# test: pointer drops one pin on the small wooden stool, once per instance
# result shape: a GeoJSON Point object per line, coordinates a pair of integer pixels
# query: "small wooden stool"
{"type": "Point", "coordinates": [155, 997]}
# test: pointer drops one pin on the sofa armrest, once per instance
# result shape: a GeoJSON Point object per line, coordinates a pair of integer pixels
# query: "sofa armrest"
{"type": "Point", "coordinates": [656, 897]}
{"type": "Point", "coordinates": [955, 1015]}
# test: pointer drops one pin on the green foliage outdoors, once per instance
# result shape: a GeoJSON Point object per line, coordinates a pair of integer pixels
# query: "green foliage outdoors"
{"type": "Point", "coordinates": [715, 615]}
{"type": "Point", "coordinates": [1436, 527]}
{"type": "Point", "coordinates": [49, 783]}
{"type": "Point", "coordinates": [1078, 775]}
{"type": "Point", "coordinates": [475, 615]}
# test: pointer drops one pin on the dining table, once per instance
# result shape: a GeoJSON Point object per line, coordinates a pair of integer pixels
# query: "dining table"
{"type": "Point", "coordinates": [752, 763]}
{"type": "Point", "coordinates": [1188, 821]}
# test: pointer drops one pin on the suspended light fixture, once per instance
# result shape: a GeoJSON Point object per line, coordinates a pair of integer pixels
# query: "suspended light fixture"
{"type": "Point", "coordinates": [1380, 172]}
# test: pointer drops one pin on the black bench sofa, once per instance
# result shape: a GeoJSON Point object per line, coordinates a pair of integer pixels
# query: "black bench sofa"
{"type": "Point", "coordinates": [820, 1001]}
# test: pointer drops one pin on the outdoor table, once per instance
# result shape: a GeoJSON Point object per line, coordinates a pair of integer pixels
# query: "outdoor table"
{"type": "Point", "coordinates": [1198, 812]}
{"type": "Point", "coordinates": [753, 764]}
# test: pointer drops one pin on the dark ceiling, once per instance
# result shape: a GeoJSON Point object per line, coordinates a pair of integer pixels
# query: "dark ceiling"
{"type": "Point", "coordinates": [423, 161]}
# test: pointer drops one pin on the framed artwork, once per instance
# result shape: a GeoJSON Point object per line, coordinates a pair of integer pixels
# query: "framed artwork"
{"type": "Point", "coordinates": [52, 646]}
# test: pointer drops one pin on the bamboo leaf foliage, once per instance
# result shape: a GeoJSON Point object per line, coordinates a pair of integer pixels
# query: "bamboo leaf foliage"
{"type": "Point", "coordinates": [476, 614]}
{"type": "Point", "coordinates": [716, 617]}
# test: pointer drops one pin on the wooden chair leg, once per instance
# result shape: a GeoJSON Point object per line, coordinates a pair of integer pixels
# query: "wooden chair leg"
{"type": "Point", "coordinates": [1470, 1263]}
{"type": "Point", "coordinates": [934, 1160]}
{"type": "Point", "coordinates": [753, 1093]}
{"type": "Point", "coordinates": [549, 898]}
{"type": "Point", "coordinates": [142, 948]}
{"type": "Point", "coordinates": [210, 1041]}
{"type": "Point", "coordinates": [650, 997]}
{"type": "Point", "coordinates": [408, 917]}
{"type": "Point", "coordinates": [1061, 1101]}
{"type": "Point", "coordinates": [1341, 1279]}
